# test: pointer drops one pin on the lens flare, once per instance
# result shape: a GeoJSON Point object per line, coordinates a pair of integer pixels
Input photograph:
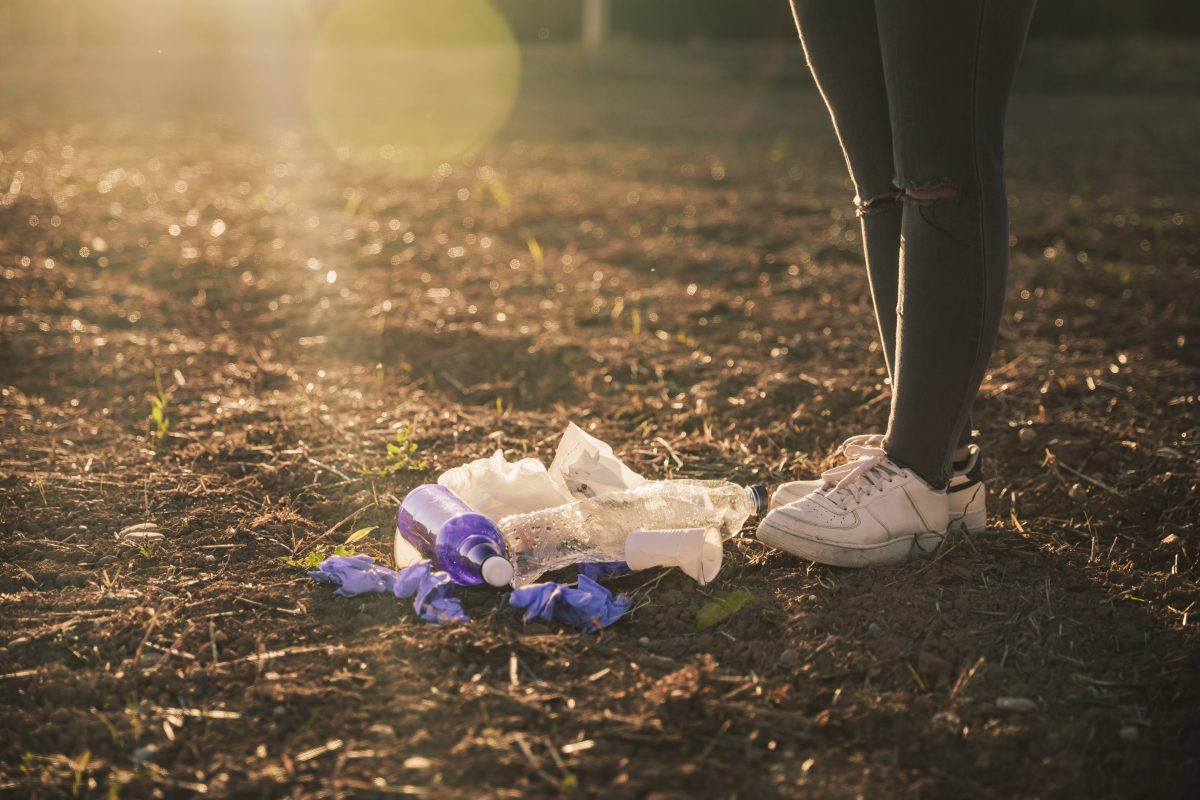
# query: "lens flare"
{"type": "Point", "coordinates": [413, 83]}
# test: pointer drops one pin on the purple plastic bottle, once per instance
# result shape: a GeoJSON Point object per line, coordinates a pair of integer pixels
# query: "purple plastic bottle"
{"type": "Point", "coordinates": [457, 538]}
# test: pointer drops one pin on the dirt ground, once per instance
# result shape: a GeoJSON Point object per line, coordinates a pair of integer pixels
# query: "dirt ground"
{"type": "Point", "coordinates": [660, 246]}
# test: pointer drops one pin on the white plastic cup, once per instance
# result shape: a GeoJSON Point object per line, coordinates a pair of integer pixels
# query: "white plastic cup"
{"type": "Point", "coordinates": [696, 551]}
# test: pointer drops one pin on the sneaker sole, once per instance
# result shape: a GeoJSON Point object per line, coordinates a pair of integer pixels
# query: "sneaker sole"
{"type": "Point", "coordinates": [843, 555]}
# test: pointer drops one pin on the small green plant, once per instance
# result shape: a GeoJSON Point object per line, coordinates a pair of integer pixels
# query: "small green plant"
{"type": "Point", "coordinates": [158, 408]}
{"type": "Point", "coordinates": [401, 456]}
{"type": "Point", "coordinates": [535, 252]}
{"type": "Point", "coordinates": [134, 715]}
{"type": "Point", "coordinates": [80, 769]}
{"type": "Point", "coordinates": [148, 549]}
{"type": "Point", "coordinates": [313, 560]}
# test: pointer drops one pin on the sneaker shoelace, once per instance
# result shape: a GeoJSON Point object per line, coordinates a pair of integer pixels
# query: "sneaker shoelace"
{"type": "Point", "coordinates": [867, 471]}
{"type": "Point", "coordinates": [869, 439]}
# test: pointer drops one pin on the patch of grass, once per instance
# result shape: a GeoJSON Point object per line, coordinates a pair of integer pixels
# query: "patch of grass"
{"type": "Point", "coordinates": [158, 408]}
{"type": "Point", "coordinates": [314, 559]}
{"type": "Point", "coordinates": [80, 769]}
{"type": "Point", "coordinates": [401, 457]}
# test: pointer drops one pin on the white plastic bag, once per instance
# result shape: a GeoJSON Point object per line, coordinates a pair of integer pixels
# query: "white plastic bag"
{"type": "Point", "coordinates": [496, 488]}
{"type": "Point", "coordinates": [586, 466]}
{"type": "Point", "coordinates": [583, 467]}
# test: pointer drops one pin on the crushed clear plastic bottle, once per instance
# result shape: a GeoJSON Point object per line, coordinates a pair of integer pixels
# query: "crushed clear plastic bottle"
{"type": "Point", "coordinates": [595, 529]}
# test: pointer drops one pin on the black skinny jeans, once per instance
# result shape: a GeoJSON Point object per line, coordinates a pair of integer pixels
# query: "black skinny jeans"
{"type": "Point", "coordinates": [918, 91]}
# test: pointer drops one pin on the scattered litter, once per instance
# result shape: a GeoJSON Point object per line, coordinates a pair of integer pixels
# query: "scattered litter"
{"type": "Point", "coordinates": [499, 522]}
{"type": "Point", "coordinates": [588, 466]}
{"type": "Point", "coordinates": [599, 570]}
{"type": "Point", "coordinates": [598, 528]}
{"type": "Point", "coordinates": [583, 467]}
{"type": "Point", "coordinates": [143, 531]}
{"type": "Point", "coordinates": [1018, 705]}
{"type": "Point", "coordinates": [696, 551]}
{"type": "Point", "coordinates": [496, 488]}
{"type": "Point", "coordinates": [502, 523]}
{"type": "Point", "coordinates": [456, 537]}
{"type": "Point", "coordinates": [355, 575]}
{"type": "Point", "coordinates": [589, 606]}
{"type": "Point", "coordinates": [722, 607]}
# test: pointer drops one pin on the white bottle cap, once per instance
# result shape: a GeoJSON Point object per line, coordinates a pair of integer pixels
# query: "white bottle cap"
{"type": "Point", "coordinates": [497, 571]}
{"type": "Point", "coordinates": [696, 551]}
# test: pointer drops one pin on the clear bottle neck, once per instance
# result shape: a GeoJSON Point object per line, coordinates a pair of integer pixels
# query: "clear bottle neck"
{"type": "Point", "coordinates": [757, 495]}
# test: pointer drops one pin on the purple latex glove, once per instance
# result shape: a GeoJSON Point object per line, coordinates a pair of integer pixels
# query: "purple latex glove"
{"type": "Point", "coordinates": [589, 606]}
{"type": "Point", "coordinates": [604, 569]}
{"type": "Point", "coordinates": [355, 575]}
{"type": "Point", "coordinates": [432, 590]}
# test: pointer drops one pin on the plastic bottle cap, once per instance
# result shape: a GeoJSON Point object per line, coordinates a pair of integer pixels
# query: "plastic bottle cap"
{"type": "Point", "coordinates": [497, 571]}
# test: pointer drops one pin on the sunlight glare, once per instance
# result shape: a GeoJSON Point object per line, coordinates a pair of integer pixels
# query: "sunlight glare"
{"type": "Point", "coordinates": [412, 84]}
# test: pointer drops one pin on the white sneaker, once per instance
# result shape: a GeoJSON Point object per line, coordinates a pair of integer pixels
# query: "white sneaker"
{"type": "Point", "coordinates": [792, 491]}
{"type": "Point", "coordinates": [967, 493]}
{"type": "Point", "coordinates": [869, 511]}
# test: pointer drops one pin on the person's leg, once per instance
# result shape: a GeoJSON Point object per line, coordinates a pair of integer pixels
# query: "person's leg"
{"type": "Point", "coordinates": [841, 43]}
{"type": "Point", "coordinates": [949, 66]}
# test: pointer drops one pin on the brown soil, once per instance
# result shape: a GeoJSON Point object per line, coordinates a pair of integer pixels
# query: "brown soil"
{"type": "Point", "coordinates": [700, 304]}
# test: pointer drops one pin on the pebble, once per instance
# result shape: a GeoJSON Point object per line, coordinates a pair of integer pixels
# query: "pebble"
{"type": "Point", "coordinates": [874, 628]}
{"type": "Point", "coordinates": [1077, 492]}
{"type": "Point", "coordinates": [382, 731]}
{"type": "Point", "coordinates": [1020, 705]}
{"type": "Point", "coordinates": [1129, 733]}
{"type": "Point", "coordinates": [142, 754]}
{"type": "Point", "coordinates": [1026, 437]}
{"type": "Point", "coordinates": [788, 657]}
{"type": "Point", "coordinates": [644, 641]}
